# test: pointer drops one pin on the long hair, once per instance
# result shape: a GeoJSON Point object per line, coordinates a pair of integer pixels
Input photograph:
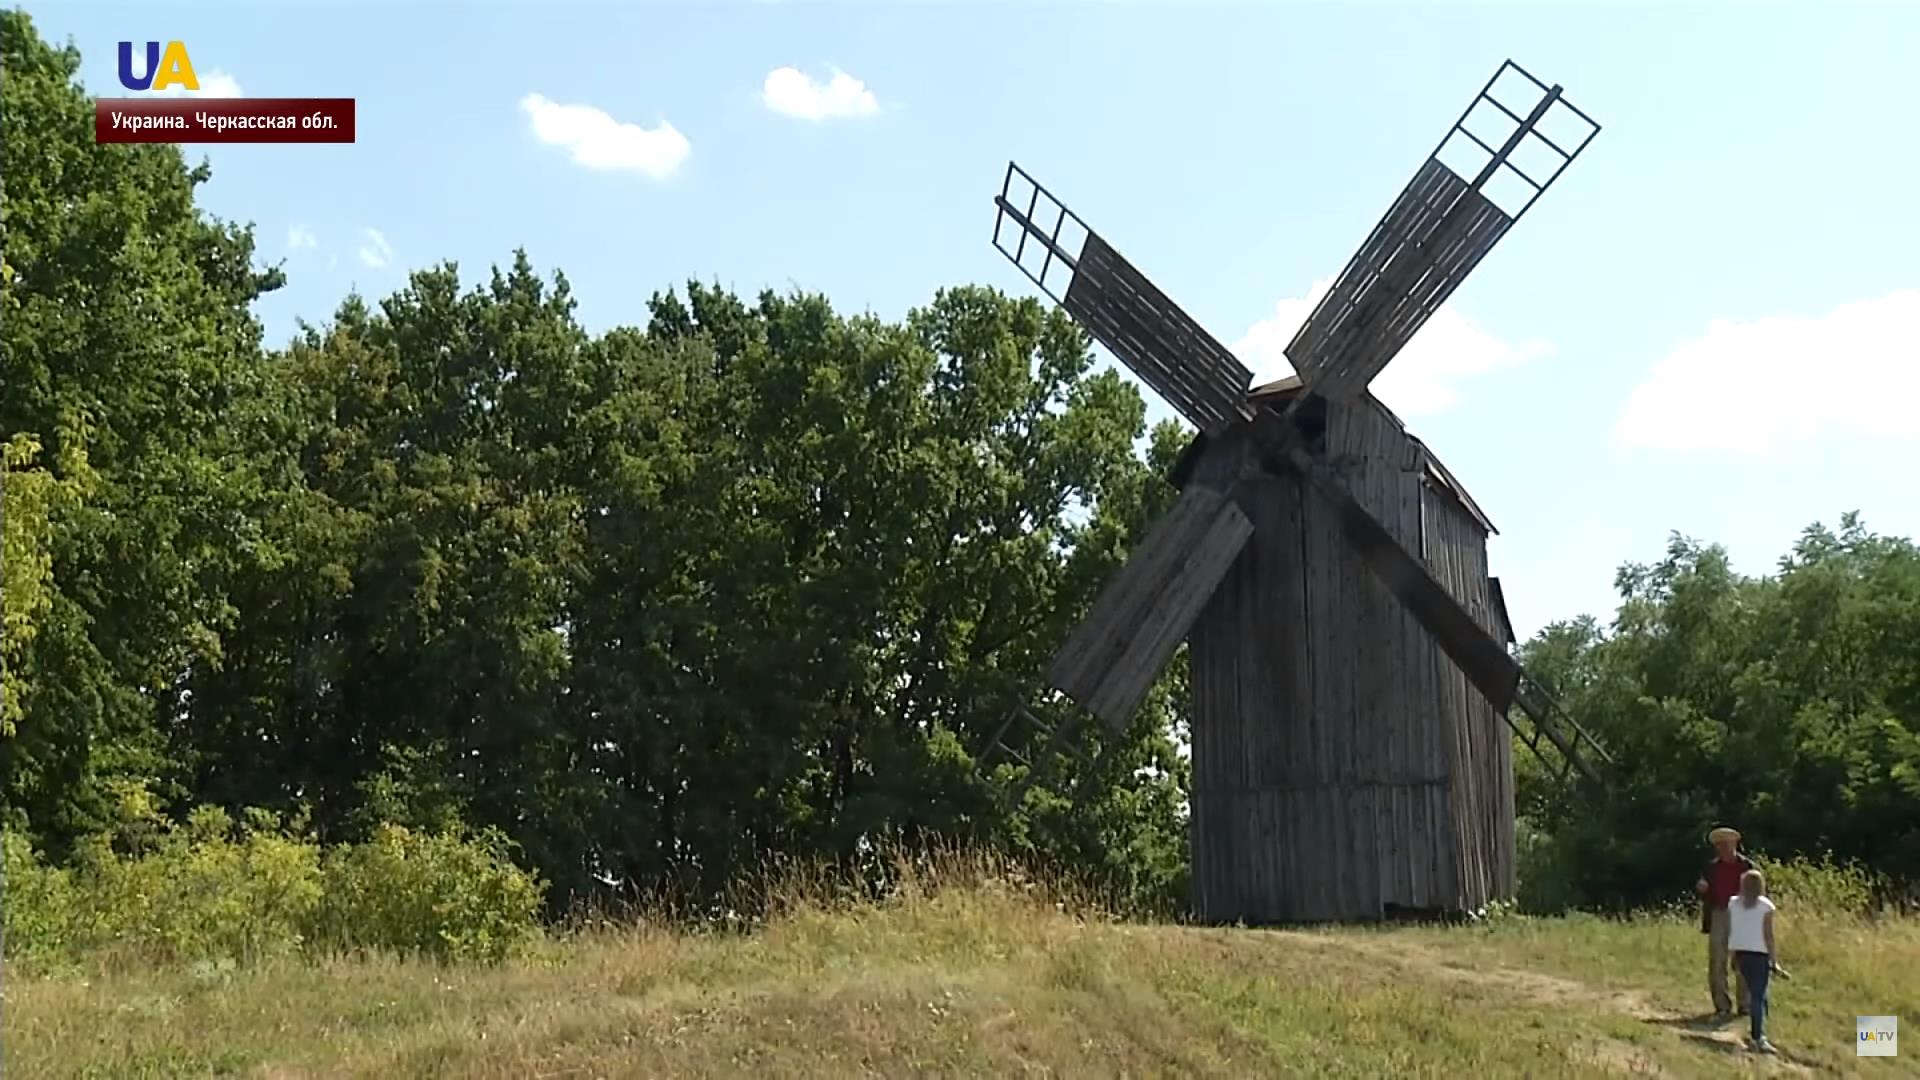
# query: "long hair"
{"type": "Point", "coordinates": [1753, 886]}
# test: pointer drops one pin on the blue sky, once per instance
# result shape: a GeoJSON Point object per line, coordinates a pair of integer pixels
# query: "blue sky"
{"type": "Point", "coordinates": [1710, 324]}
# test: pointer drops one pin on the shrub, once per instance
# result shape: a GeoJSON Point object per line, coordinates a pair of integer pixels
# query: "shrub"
{"type": "Point", "coordinates": [1544, 870]}
{"type": "Point", "coordinates": [36, 903]}
{"type": "Point", "coordinates": [1824, 887]}
{"type": "Point", "coordinates": [213, 893]}
{"type": "Point", "coordinates": [205, 892]}
{"type": "Point", "coordinates": [1550, 881]}
{"type": "Point", "coordinates": [438, 894]}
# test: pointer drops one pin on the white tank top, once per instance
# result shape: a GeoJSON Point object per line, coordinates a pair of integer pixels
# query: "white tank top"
{"type": "Point", "coordinates": [1747, 926]}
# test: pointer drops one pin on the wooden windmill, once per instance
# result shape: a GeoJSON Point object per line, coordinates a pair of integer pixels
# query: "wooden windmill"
{"type": "Point", "coordinates": [1350, 664]}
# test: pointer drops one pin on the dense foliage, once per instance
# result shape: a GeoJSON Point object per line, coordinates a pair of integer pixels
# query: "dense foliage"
{"type": "Point", "coordinates": [1789, 704]}
{"type": "Point", "coordinates": [753, 579]}
{"type": "Point", "coordinates": [211, 891]}
{"type": "Point", "coordinates": [657, 606]}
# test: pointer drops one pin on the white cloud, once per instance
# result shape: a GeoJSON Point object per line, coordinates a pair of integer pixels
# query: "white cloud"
{"type": "Point", "coordinates": [1748, 386]}
{"type": "Point", "coordinates": [792, 92]}
{"type": "Point", "coordinates": [301, 238]}
{"type": "Point", "coordinates": [1422, 380]}
{"type": "Point", "coordinates": [214, 84]}
{"type": "Point", "coordinates": [596, 140]}
{"type": "Point", "coordinates": [374, 249]}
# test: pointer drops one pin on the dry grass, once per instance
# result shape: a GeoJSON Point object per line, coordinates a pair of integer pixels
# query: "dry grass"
{"type": "Point", "coordinates": [983, 978]}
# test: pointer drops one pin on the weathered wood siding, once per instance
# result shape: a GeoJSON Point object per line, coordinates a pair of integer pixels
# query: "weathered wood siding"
{"type": "Point", "coordinates": [1327, 729]}
{"type": "Point", "coordinates": [1455, 549]}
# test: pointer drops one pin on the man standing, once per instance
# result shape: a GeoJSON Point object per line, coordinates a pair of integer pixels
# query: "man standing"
{"type": "Point", "coordinates": [1719, 883]}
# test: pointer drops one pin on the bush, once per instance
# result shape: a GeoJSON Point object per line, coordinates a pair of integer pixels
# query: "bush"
{"type": "Point", "coordinates": [1824, 887]}
{"type": "Point", "coordinates": [36, 903]}
{"type": "Point", "coordinates": [1559, 872]}
{"type": "Point", "coordinates": [211, 892]}
{"type": "Point", "coordinates": [442, 895]}
{"type": "Point", "coordinates": [1544, 870]}
{"type": "Point", "coordinates": [205, 892]}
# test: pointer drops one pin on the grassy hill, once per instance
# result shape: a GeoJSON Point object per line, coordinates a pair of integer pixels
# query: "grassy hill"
{"type": "Point", "coordinates": [986, 978]}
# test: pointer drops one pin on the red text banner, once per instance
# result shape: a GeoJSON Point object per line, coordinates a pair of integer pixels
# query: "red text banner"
{"type": "Point", "coordinates": [222, 120]}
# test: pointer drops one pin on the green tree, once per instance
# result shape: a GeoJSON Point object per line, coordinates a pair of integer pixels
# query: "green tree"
{"type": "Point", "coordinates": [29, 498]}
{"type": "Point", "coordinates": [427, 527]}
{"type": "Point", "coordinates": [825, 554]}
{"type": "Point", "coordinates": [1789, 704]}
{"type": "Point", "coordinates": [124, 337]}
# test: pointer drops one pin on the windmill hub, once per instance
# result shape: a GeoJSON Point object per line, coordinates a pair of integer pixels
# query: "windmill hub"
{"type": "Point", "coordinates": [1350, 653]}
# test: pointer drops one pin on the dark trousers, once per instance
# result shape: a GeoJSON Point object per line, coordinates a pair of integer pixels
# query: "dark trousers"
{"type": "Point", "coordinates": [1756, 966]}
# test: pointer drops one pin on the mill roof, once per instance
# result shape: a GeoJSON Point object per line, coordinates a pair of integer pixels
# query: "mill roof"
{"type": "Point", "coordinates": [1427, 462]}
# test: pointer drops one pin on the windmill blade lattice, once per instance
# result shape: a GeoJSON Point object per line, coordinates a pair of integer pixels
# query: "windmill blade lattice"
{"type": "Point", "coordinates": [1157, 341]}
{"type": "Point", "coordinates": [1431, 238]}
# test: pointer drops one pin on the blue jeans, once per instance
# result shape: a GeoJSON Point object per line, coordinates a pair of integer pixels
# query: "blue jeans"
{"type": "Point", "coordinates": [1756, 966]}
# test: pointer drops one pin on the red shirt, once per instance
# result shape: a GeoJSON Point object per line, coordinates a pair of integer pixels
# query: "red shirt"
{"type": "Point", "coordinates": [1724, 884]}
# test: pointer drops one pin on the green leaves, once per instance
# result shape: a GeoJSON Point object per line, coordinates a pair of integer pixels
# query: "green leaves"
{"type": "Point", "coordinates": [124, 340]}
{"type": "Point", "coordinates": [830, 550]}
{"type": "Point", "coordinates": [1786, 704]}
{"type": "Point", "coordinates": [659, 605]}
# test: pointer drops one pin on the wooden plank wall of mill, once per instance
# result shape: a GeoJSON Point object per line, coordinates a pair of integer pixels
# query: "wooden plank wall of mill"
{"type": "Point", "coordinates": [1218, 835]}
{"type": "Point", "coordinates": [1321, 764]}
{"type": "Point", "coordinates": [1508, 878]}
{"type": "Point", "coordinates": [1456, 552]}
{"type": "Point", "coordinates": [1402, 738]}
{"type": "Point", "coordinates": [1262, 820]}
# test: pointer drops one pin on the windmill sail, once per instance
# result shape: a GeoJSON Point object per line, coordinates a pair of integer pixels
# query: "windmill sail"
{"type": "Point", "coordinates": [1124, 311]}
{"type": "Point", "coordinates": [1435, 233]}
{"type": "Point", "coordinates": [1156, 340]}
{"type": "Point", "coordinates": [1117, 652]}
{"type": "Point", "coordinates": [1432, 237]}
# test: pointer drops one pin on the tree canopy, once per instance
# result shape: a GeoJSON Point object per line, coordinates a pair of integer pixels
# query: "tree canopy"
{"type": "Point", "coordinates": [1788, 704]}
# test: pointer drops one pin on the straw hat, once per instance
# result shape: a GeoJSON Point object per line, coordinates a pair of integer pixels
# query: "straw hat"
{"type": "Point", "coordinates": [1723, 833]}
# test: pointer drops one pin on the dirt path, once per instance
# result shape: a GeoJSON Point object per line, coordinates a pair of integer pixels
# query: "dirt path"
{"type": "Point", "coordinates": [1540, 988]}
